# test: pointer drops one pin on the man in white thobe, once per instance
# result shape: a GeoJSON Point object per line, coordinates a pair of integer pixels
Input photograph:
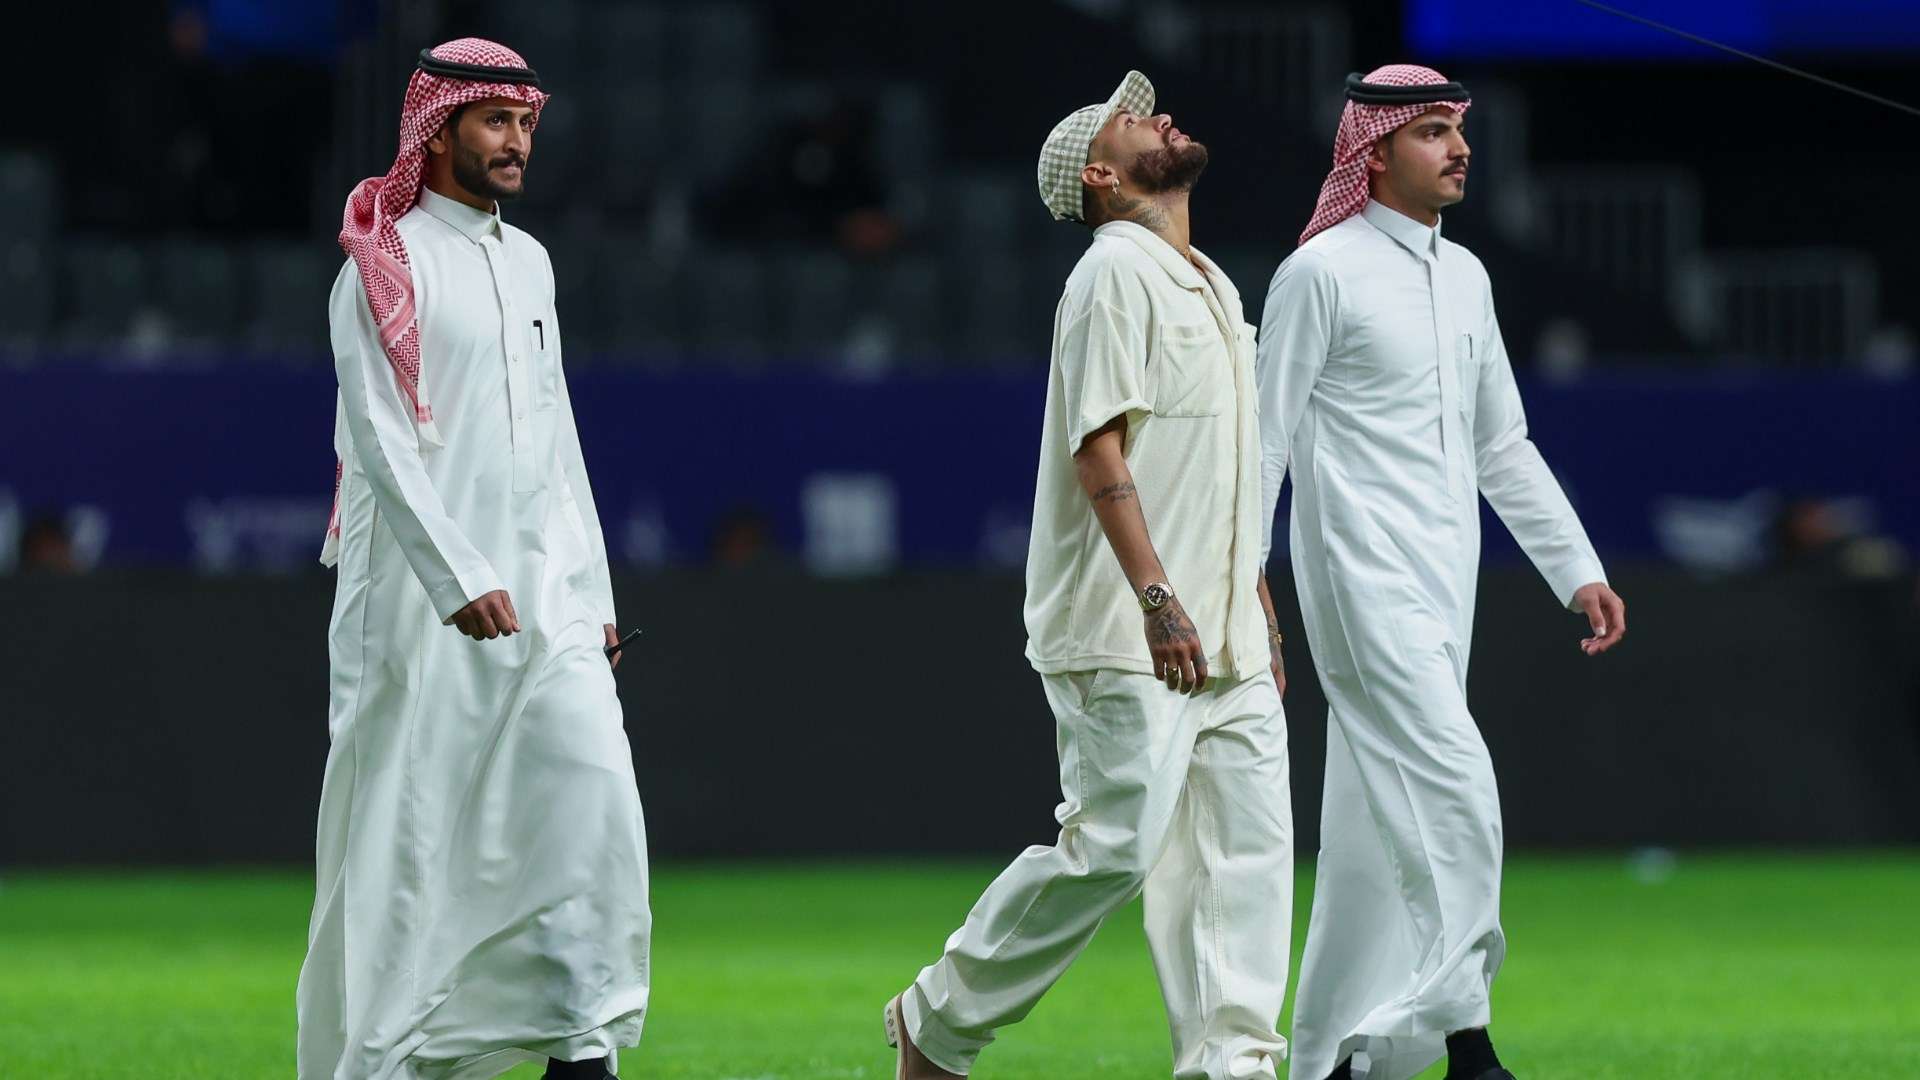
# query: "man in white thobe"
{"type": "Point", "coordinates": [481, 860]}
{"type": "Point", "coordinates": [1172, 742]}
{"type": "Point", "coordinates": [1386, 393]}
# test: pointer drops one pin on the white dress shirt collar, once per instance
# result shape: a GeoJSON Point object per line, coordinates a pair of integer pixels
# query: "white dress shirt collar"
{"type": "Point", "coordinates": [475, 224]}
{"type": "Point", "coordinates": [1422, 240]}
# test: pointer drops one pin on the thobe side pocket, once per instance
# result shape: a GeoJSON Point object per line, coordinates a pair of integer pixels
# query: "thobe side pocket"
{"type": "Point", "coordinates": [1466, 358]}
{"type": "Point", "coordinates": [1245, 361]}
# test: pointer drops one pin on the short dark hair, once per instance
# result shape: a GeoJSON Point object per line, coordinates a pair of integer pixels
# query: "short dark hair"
{"type": "Point", "coordinates": [453, 118]}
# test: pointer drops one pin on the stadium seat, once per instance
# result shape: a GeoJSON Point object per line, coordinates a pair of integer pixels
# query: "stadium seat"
{"type": "Point", "coordinates": [198, 289]}
{"type": "Point", "coordinates": [715, 130]}
{"type": "Point", "coordinates": [814, 292]}
{"type": "Point", "coordinates": [27, 292]}
{"type": "Point", "coordinates": [990, 210]}
{"type": "Point", "coordinates": [625, 139]}
{"type": "Point", "coordinates": [993, 296]}
{"type": "Point", "coordinates": [903, 133]}
{"type": "Point", "coordinates": [630, 41]}
{"type": "Point", "coordinates": [291, 282]}
{"type": "Point", "coordinates": [903, 295]}
{"type": "Point", "coordinates": [551, 36]}
{"type": "Point", "coordinates": [726, 298]}
{"type": "Point", "coordinates": [103, 286]}
{"type": "Point", "coordinates": [30, 190]}
{"type": "Point", "coordinates": [641, 316]}
{"type": "Point", "coordinates": [717, 40]}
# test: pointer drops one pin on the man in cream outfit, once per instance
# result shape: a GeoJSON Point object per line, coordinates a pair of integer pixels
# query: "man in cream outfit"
{"type": "Point", "coordinates": [1385, 390]}
{"type": "Point", "coordinates": [1148, 620]}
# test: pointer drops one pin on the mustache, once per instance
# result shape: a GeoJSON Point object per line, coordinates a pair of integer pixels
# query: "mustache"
{"type": "Point", "coordinates": [1457, 169]}
{"type": "Point", "coordinates": [509, 159]}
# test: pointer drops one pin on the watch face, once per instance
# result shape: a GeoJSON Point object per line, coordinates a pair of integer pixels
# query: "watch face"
{"type": "Point", "coordinates": [1156, 596]}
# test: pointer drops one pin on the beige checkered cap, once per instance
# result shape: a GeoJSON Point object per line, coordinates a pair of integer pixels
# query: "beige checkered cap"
{"type": "Point", "coordinates": [1064, 153]}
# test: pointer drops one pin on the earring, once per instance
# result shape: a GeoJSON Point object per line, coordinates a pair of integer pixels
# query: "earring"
{"type": "Point", "coordinates": [1116, 186]}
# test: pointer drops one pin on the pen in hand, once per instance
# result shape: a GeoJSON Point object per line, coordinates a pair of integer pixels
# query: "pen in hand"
{"type": "Point", "coordinates": [622, 643]}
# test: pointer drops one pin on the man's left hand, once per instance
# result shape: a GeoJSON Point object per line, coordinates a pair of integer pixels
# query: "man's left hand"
{"type": "Point", "coordinates": [613, 638]}
{"type": "Point", "coordinates": [1606, 613]}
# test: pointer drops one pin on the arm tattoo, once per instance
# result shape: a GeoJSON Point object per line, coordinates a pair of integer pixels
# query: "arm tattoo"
{"type": "Point", "coordinates": [1120, 492]}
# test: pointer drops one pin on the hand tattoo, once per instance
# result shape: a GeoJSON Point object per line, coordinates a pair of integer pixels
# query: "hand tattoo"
{"type": "Point", "coordinates": [1169, 625]}
{"type": "Point", "coordinates": [1120, 492]}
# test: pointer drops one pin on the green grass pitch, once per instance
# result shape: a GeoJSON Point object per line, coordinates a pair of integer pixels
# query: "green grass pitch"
{"type": "Point", "coordinates": [1735, 967]}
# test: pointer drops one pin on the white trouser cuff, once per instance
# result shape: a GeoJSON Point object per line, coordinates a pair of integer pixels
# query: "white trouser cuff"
{"type": "Point", "coordinates": [950, 1051]}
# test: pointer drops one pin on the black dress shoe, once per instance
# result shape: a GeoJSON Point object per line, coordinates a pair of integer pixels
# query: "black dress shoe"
{"type": "Point", "coordinates": [557, 1070]}
{"type": "Point", "coordinates": [1495, 1073]}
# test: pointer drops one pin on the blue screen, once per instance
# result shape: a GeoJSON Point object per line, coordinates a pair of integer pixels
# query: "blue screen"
{"type": "Point", "coordinates": [1549, 29]}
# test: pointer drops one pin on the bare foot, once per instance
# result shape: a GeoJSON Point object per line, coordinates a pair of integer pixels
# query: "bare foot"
{"type": "Point", "coordinates": [912, 1064]}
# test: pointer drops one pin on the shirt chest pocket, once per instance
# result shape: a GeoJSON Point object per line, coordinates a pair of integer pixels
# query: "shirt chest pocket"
{"type": "Point", "coordinates": [545, 353]}
{"type": "Point", "coordinates": [1466, 357]}
{"type": "Point", "coordinates": [1191, 375]}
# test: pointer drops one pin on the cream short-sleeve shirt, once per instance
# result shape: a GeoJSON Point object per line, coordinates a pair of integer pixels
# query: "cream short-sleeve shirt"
{"type": "Point", "coordinates": [1142, 332]}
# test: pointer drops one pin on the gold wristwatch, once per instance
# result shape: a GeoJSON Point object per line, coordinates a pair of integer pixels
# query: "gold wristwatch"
{"type": "Point", "coordinates": [1155, 596]}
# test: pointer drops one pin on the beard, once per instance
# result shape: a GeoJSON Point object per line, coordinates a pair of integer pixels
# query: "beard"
{"type": "Point", "coordinates": [1169, 168]}
{"type": "Point", "coordinates": [474, 173]}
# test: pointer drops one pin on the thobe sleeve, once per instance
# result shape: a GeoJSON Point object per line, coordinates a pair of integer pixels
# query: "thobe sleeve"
{"type": "Point", "coordinates": [1103, 367]}
{"type": "Point", "coordinates": [380, 422]}
{"type": "Point", "coordinates": [1296, 330]}
{"type": "Point", "coordinates": [1517, 483]}
{"type": "Point", "coordinates": [574, 470]}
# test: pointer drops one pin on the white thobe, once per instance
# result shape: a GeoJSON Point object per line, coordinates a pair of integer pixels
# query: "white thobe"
{"type": "Point", "coordinates": [1184, 798]}
{"type": "Point", "coordinates": [1386, 393]}
{"type": "Point", "coordinates": [481, 861]}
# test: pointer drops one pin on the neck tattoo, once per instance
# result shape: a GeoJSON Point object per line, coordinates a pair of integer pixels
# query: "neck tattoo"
{"type": "Point", "coordinates": [1142, 212]}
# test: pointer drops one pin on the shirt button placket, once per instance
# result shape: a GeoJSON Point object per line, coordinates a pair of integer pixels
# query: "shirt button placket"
{"type": "Point", "coordinates": [516, 386]}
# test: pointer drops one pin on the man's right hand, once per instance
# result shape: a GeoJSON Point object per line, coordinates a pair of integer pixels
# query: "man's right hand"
{"type": "Point", "coordinates": [1178, 659]}
{"type": "Point", "coordinates": [488, 617]}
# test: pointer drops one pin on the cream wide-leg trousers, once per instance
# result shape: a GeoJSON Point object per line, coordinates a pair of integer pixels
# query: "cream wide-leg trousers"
{"type": "Point", "coordinates": [1185, 797]}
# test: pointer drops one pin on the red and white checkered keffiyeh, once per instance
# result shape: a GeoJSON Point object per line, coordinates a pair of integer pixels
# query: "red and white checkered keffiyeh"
{"type": "Point", "coordinates": [1344, 193]}
{"type": "Point", "coordinates": [370, 234]}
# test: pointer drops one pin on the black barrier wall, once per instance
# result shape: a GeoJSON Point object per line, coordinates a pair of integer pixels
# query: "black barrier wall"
{"type": "Point", "coordinates": [163, 718]}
